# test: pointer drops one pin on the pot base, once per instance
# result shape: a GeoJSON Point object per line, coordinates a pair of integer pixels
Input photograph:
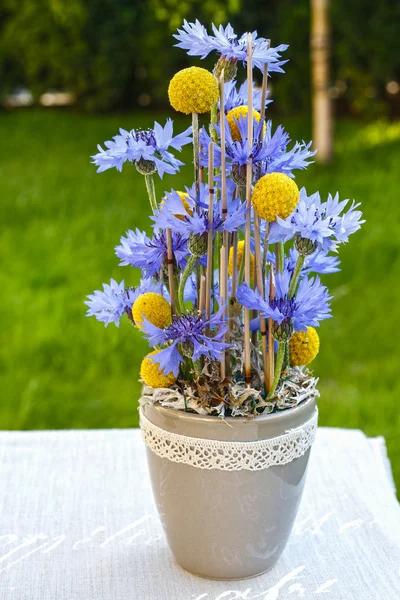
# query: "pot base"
{"type": "Point", "coordinates": [226, 578]}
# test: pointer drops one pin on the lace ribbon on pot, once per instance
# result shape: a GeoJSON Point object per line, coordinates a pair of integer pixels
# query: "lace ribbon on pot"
{"type": "Point", "coordinates": [226, 455]}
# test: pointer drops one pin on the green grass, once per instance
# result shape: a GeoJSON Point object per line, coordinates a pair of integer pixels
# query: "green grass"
{"type": "Point", "coordinates": [60, 222]}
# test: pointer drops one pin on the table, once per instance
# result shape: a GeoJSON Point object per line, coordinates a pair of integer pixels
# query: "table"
{"type": "Point", "coordinates": [78, 522]}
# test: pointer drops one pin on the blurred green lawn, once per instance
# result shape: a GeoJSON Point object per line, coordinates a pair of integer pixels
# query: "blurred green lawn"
{"type": "Point", "coordinates": [60, 222]}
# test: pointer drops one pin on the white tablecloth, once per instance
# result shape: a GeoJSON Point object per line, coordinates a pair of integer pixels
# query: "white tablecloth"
{"type": "Point", "coordinates": [78, 522]}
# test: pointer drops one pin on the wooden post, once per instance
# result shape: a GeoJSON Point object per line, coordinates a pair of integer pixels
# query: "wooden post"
{"type": "Point", "coordinates": [249, 178]}
{"type": "Point", "coordinates": [209, 271]}
{"type": "Point", "coordinates": [223, 280]}
{"type": "Point", "coordinates": [171, 280]}
{"type": "Point", "coordinates": [321, 102]}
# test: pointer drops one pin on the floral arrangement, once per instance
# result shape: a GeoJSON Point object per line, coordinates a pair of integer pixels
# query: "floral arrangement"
{"type": "Point", "coordinates": [230, 294]}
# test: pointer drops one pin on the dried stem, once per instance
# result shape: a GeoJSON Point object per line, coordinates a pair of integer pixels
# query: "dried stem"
{"type": "Point", "coordinates": [260, 288]}
{"type": "Point", "coordinates": [271, 355]}
{"type": "Point", "coordinates": [209, 272]}
{"type": "Point", "coordinates": [196, 163]}
{"type": "Point", "coordinates": [202, 295]}
{"type": "Point", "coordinates": [171, 281]}
{"type": "Point", "coordinates": [264, 86]}
{"type": "Point", "coordinates": [234, 265]}
{"type": "Point", "coordinates": [249, 174]}
{"type": "Point", "coordinates": [224, 199]}
{"type": "Point", "coordinates": [223, 293]}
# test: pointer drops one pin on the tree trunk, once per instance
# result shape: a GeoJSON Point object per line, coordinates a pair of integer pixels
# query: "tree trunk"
{"type": "Point", "coordinates": [321, 102]}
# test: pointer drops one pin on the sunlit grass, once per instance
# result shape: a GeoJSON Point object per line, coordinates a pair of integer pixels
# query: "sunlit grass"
{"type": "Point", "coordinates": [60, 222]}
{"type": "Point", "coordinates": [370, 135]}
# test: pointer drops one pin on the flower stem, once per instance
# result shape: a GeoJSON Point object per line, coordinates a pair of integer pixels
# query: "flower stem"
{"type": "Point", "coordinates": [213, 121]}
{"type": "Point", "coordinates": [185, 276]}
{"type": "Point", "coordinates": [217, 257]}
{"type": "Point", "coordinates": [281, 256]}
{"type": "Point", "coordinates": [296, 275]}
{"type": "Point", "coordinates": [286, 362]}
{"type": "Point", "coordinates": [278, 368]}
{"type": "Point", "coordinates": [241, 268]}
{"type": "Point", "coordinates": [151, 191]}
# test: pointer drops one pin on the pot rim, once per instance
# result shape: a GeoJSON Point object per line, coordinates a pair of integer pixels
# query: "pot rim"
{"type": "Point", "coordinates": [281, 416]}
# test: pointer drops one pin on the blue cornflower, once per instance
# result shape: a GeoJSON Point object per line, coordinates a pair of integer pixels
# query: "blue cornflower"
{"type": "Point", "coordinates": [280, 158]}
{"type": "Point", "coordinates": [239, 97]}
{"type": "Point", "coordinates": [194, 38]}
{"type": "Point", "coordinates": [193, 335]}
{"type": "Point", "coordinates": [321, 223]}
{"type": "Point", "coordinates": [269, 152]}
{"type": "Point", "coordinates": [109, 305]}
{"type": "Point", "coordinates": [147, 149]}
{"type": "Point", "coordinates": [150, 254]}
{"type": "Point", "coordinates": [307, 307]}
{"type": "Point", "coordinates": [319, 262]}
{"type": "Point", "coordinates": [194, 221]}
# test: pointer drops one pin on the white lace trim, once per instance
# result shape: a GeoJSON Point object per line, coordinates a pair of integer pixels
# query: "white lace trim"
{"type": "Point", "coordinates": [229, 456]}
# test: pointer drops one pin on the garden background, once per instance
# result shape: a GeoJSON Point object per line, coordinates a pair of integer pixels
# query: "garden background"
{"type": "Point", "coordinates": [60, 220]}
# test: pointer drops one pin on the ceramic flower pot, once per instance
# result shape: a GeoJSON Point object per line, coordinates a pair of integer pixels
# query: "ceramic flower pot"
{"type": "Point", "coordinates": [228, 491]}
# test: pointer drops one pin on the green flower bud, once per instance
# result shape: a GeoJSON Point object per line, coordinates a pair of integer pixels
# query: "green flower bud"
{"type": "Point", "coordinates": [230, 68]}
{"type": "Point", "coordinates": [304, 246]}
{"type": "Point", "coordinates": [283, 332]}
{"type": "Point", "coordinates": [198, 244]}
{"type": "Point", "coordinates": [146, 167]}
{"type": "Point", "coordinates": [238, 174]}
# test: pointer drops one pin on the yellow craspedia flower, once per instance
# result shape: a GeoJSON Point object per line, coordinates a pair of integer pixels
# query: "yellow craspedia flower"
{"type": "Point", "coordinates": [183, 196]}
{"type": "Point", "coordinates": [303, 347]}
{"type": "Point", "coordinates": [235, 115]}
{"type": "Point", "coordinates": [240, 254]}
{"type": "Point", "coordinates": [186, 206]}
{"type": "Point", "coordinates": [275, 195]}
{"type": "Point", "coordinates": [152, 375]}
{"type": "Point", "coordinates": [154, 307]}
{"type": "Point", "coordinates": [193, 90]}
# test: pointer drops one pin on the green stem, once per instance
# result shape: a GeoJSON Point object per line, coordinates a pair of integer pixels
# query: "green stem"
{"type": "Point", "coordinates": [278, 369]}
{"type": "Point", "coordinates": [242, 192]}
{"type": "Point", "coordinates": [264, 257]}
{"type": "Point", "coordinates": [151, 191]}
{"type": "Point", "coordinates": [241, 269]}
{"type": "Point", "coordinates": [296, 274]}
{"type": "Point", "coordinates": [213, 121]}
{"type": "Point", "coordinates": [281, 256]}
{"type": "Point", "coordinates": [286, 362]}
{"type": "Point", "coordinates": [185, 276]}
{"type": "Point", "coordinates": [176, 287]}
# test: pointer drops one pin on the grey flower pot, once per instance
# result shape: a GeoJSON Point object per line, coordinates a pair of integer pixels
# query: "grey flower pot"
{"type": "Point", "coordinates": [227, 524]}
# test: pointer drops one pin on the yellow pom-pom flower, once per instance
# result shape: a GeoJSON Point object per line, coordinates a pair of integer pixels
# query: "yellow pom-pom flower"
{"type": "Point", "coordinates": [275, 195]}
{"type": "Point", "coordinates": [186, 206]}
{"type": "Point", "coordinates": [154, 307]}
{"type": "Point", "coordinates": [237, 113]}
{"type": "Point", "coordinates": [303, 347]}
{"type": "Point", "coordinates": [193, 90]}
{"type": "Point", "coordinates": [240, 255]}
{"type": "Point", "coordinates": [152, 375]}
